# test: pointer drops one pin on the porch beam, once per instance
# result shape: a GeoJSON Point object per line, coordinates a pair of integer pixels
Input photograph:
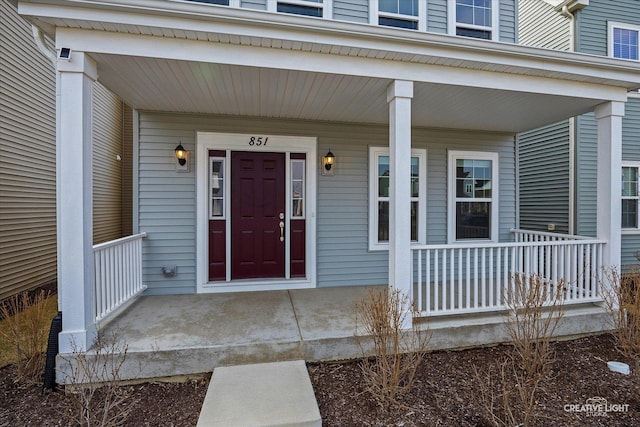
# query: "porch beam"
{"type": "Point", "coordinates": [399, 95]}
{"type": "Point", "coordinates": [530, 80]}
{"type": "Point", "coordinates": [74, 101]}
{"type": "Point", "coordinates": [609, 188]}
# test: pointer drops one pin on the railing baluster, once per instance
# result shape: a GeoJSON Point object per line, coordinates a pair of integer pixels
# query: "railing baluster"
{"type": "Point", "coordinates": [459, 281]}
{"type": "Point", "coordinates": [117, 273]}
{"type": "Point", "coordinates": [429, 286]}
{"type": "Point", "coordinates": [436, 282]}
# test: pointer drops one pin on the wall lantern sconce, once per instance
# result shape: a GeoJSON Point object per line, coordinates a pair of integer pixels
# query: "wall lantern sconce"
{"type": "Point", "coordinates": [182, 159]}
{"type": "Point", "coordinates": [328, 163]}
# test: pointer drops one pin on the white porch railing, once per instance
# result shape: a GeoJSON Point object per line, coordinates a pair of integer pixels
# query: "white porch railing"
{"type": "Point", "coordinates": [118, 273]}
{"type": "Point", "coordinates": [475, 277]}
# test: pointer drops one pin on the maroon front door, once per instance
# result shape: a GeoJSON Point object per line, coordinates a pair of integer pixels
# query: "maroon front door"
{"type": "Point", "coordinates": [257, 215]}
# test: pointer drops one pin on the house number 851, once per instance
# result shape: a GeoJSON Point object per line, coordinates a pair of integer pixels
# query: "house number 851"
{"type": "Point", "coordinates": [258, 141]}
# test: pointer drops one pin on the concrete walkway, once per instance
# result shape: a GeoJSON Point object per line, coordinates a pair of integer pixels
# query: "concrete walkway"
{"type": "Point", "coordinates": [265, 394]}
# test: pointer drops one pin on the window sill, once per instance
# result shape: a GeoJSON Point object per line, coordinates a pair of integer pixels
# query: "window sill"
{"type": "Point", "coordinates": [631, 231]}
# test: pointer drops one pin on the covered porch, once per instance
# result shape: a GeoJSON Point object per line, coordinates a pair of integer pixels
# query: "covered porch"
{"type": "Point", "coordinates": [191, 334]}
{"type": "Point", "coordinates": [239, 65]}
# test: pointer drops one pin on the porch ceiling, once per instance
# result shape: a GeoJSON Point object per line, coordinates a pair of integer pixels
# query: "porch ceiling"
{"type": "Point", "coordinates": [208, 88]}
{"type": "Point", "coordinates": [193, 57]}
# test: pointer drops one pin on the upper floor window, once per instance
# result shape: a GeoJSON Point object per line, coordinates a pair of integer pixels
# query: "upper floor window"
{"type": "Point", "coordinates": [474, 18]}
{"type": "Point", "coordinates": [302, 7]}
{"type": "Point", "coordinates": [399, 13]}
{"type": "Point", "coordinates": [473, 196]}
{"type": "Point", "coordinates": [631, 195]}
{"type": "Point", "coordinates": [623, 41]}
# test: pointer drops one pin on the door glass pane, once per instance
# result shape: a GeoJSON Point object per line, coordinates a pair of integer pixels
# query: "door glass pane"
{"type": "Point", "coordinates": [216, 184]}
{"type": "Point", "coordinates": [383, 221]}
{"type": "Point", "coordinates": [473, 220]}
{"type": "Point", "coordinates": [297, 188]}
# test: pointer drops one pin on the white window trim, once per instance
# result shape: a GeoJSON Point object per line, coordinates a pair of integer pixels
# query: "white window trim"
{"type": "Point", "coordinates": [630, 164]}
{"type": "Point", "coordinates": [495, 20]}
{"type": "Point", "coordinates": [374, 153]}
{"type": "Point", "coordinates": [451, 193]}
{"type": "Point", "coordinates": [421, 19]}
{"type": "Point", "coordinates": [325, 5]}
{"type": "Point", "coordinates": [610, 27]}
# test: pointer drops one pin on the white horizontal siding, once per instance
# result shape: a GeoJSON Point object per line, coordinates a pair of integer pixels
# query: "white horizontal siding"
{"type": "Point", "coordinates": [27, 159]}
{"type": "Point", "coordinates": [167, 199]}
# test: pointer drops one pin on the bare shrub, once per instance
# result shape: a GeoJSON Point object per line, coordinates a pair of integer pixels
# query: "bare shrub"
{"type": "Point", "coordinates": [534, 312]}
{"type": "Point", "coordinates": [397, 351]}
{"type": "Point", "coordinates": [95, 397]}
{"type": "Point", "coordinates": [622, 299]}
{"type": "Point", "coordinates": [26, 327]}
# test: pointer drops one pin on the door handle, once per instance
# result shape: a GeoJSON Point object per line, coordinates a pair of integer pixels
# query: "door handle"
{"type": "Point", "coordinates": [281, 231]}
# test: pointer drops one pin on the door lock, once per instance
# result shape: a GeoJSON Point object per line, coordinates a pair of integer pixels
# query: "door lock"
{"type": "Point", "coordinates": [281, 215]}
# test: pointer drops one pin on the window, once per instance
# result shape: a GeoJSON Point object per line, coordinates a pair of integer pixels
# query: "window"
{"type": "Point", "coordinates": [301, 7]}
{"type": "Point", "coordinates": [216, 186]}
{"type": "Point", "coordinates": [473, 196]}
{"type": "Point", "coordinates": [630, 196]}
{"type": "Point", "coordinates": [379, 181]}
{"type": "Point", "coordinates": [399, 13]}
{"type": "Point", "coordinates": [297, 188]}
{"type": "Point", "coordinates": [623, 41]}
{"type": "Point", "coordinates": [474, 18]}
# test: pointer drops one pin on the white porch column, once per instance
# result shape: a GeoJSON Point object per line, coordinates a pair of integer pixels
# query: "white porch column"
{"type": "Point", "coordinates": [74, 99]}
{"type": "Point", "coordinates": [399, 94]}
{"type": "Point", "coordinates": [609, 117]}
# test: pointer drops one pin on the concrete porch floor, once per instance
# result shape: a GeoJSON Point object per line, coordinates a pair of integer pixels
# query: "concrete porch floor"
{"type": "Point", "coordinates": [190, 334]}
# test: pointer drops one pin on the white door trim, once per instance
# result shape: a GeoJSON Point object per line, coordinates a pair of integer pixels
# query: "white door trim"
{"type": "Point", "coordinates": [228, 142]}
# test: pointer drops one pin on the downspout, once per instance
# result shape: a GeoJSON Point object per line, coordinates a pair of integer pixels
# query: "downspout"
{"type": "Point", "coordinates": [38, 37]}
{"type": "Point", "coordinates": [56, 323]}
{"type": "Point", "coordinates": [572, 131]}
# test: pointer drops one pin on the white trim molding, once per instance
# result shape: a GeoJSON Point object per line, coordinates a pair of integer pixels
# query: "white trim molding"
{"type": "Point", "coordinates": [229, 142]}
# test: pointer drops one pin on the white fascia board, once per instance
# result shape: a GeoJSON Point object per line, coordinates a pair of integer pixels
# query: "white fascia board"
{"type": "Point", "coordinates": [337, 37]}
{"type": "Point", "coordinates": [252, 56]}
{"type": "Point", "coordinates": [571, 5]}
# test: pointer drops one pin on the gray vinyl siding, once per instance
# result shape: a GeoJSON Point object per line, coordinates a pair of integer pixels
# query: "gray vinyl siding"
{"type": "Point", "coordinates": [27, 159]}
{"type": "Point", "coordinates": [542, 26]}
{"type": "Point", "coordinates": [592, 23]}
{"type": "Point", "coordinates": [630, 247]}
{"type": "Point", "coordinates": [544, 177]}
{"type": "Point", "coordinates": [508, 21]}
{"type": "Point", "coordinates": [254, 4]}
{"type": "Point", "coordinates": [437, 16]}
{"type": "Point", "coordinates": [167, 199]}
{"type": "Point", "coordinates": [592, 38]}
{"type": "Point", "coordinates": [631, 130]}
{"type": "Point", "coordinates": [586, 174]}
{"type": "Point", "coordinates": [107, 169]}
{"type": "Point", "coordinates": [351, 10]}
{"type": "Point", "coordinates": [127, 170]}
